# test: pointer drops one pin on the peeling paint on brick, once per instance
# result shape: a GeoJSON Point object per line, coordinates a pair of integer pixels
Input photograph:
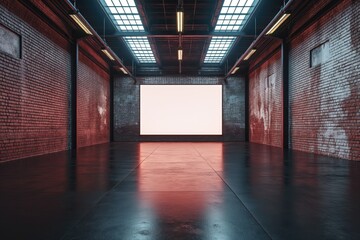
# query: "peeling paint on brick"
{"type": "Point", "coordinates": [324, 100]}
{"type": "Point", "coordinates": [265, 93]}
{"type": "Point", "coordinates": [93, 103]}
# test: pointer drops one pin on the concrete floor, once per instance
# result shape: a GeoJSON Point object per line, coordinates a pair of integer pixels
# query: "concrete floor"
{"type": "Point", "coordinates": [180, 191]}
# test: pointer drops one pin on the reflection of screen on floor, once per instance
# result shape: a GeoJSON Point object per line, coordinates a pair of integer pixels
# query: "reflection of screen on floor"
{"type": "Point", "coordinates": [180, 109]}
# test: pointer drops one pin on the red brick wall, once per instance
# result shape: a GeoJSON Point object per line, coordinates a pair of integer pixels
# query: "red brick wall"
{"type": "Point", "coordinates": [265, 102]}
{"type": "Point", "coordinates": [34, 117]}
{"type": "Point", "coordinates": [93, 92]}
{"type": "Point", "coordinates": [325, 100]}
{"type": "Point", "coordinates": [34, 90]}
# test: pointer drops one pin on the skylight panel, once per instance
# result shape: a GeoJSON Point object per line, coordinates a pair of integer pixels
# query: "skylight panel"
{"type": "Point", "coordinates": [124, 14]}
{"type": "Point", "coordinates": [141, 49]}
{"type": "Point", "coordinates": [218, 49]}
{"type": "Point", "coordinates": [233, 16]}
{"type": "Point", "coordinates": [236, 11]}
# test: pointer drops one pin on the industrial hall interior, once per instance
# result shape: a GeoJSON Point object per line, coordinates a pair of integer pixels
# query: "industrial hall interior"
{"type": "Point", "coordinates": [180, 119]}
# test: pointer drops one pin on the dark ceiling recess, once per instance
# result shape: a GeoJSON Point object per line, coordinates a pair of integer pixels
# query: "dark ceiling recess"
{"type": "Point", "coordinates": [159, 19]}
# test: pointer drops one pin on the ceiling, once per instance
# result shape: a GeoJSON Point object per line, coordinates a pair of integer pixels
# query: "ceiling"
{"type": "Point", "coordinates": [159, 20]}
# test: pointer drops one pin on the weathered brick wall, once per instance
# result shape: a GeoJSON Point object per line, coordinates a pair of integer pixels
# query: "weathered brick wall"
{"type": "Point", "coordinates": [127, 107]}
{"type": "Point", "coordinates": [265, 102]}
{"type": "Point", "coordinates": [34, 116]}
{"type": "Point", "coordinates": [93, 101]}
{"type": "Point", "coordinates": [325, 100]}
{"type": "Point", "coordinates": [234, 109]}
{"type": "Point", "coordinates": [35, 89]}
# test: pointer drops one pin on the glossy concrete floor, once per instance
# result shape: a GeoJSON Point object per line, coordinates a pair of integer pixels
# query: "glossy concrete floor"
{"type": "Point", "coordinates": [180, 191]}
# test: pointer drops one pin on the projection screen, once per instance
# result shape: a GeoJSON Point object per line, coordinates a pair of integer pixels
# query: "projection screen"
{"type": "Point", "coordinates": [181, 110]}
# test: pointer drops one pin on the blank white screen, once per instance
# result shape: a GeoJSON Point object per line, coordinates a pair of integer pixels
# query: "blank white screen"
{"type": "Point", "coordinates": [181, 109]}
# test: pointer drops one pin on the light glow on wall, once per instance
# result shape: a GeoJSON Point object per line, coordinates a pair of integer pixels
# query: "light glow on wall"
{"type": "Point", "coordinates": [181, 109]}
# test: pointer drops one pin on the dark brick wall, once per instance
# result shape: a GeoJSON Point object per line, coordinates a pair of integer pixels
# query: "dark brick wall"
{"type": "Point", "coordinates": [34, 90]}
{"type": "Point", "coordinates": [234, 109]}
{"type": "Point", "coordinates": [127, 107]}
{"type": "Point", "coordinates": [126, 110]}
{"type": "Point", "coordinates": [325, 100]}
{"type": "Point", "coordinates": [265, 102]}
{"type": "Point", "coordinates": [93, 92]}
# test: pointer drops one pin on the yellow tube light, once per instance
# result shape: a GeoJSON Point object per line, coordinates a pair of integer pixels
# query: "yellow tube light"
{"type": "Point", "coordinates": [106, 52]}
{"type": "Point", "coordinates": [278, 23]}
{"type": "Point", "coordinates": [252, 51]}
{"type": "Point", "coordinates": [80, 23]}
{"type": "Point", "coordinates": [235, 70]}
{"type": "Point", "coordinates": [180, 20]}
{"type": "Point", "coordinates": [180, 54]}
{"type": "Point", "coordinates": [123, 70]}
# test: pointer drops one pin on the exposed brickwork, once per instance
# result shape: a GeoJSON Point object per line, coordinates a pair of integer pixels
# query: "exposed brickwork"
{"type": "Point", "coordinates": [93, 103]}
{"type": "Point", "coordinates": [234, 109]}
{"type": "Point", "coordinates": [126, 109]}
{"type": "Point", "coordinates": [34, 89]}
{"type": "Point", "coordinates": [325, 100]}
{"type": "Point", "coordinates": [265, 102]}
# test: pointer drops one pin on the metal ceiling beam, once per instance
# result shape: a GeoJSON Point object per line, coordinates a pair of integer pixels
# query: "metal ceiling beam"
{"type": "Point", "coordinates": [184, 35]}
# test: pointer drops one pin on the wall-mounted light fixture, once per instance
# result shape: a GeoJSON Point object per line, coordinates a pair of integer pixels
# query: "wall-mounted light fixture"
{"type": "Point", "coordinates": [252, 51]}
{"type": "Point", "coordinates": [180, 19]}
{"type": "Point", "coordinates": [106, 52]}
{"type": "Point", "coordinates": [180, 54]}
{"type": "Point", "coordinates": [235, 70]}
{"type": "Point", "coordinates": [278, 23]}
{"type": "Point", "coordinates": [123, 70]}
{"type": "Point", "coordinates": [80, 23]}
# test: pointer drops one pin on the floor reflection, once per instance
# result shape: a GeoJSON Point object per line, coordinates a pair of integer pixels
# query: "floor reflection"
{"type": "Point", "coordinates": [176, 182]}
{"type": "Point", "coordinates": [180, 191]}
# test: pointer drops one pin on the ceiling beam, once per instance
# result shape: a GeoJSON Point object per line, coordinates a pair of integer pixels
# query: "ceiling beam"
{"type": "Point", "coordinates": [184, 35]}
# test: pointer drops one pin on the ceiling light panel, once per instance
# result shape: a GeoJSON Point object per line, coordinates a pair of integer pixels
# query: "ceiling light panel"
{"type": "Point", "coordinates": [234, 14]}
{"type": "Point", "coordinates": [218, 49]}
{"type": "Point", "coordinates": [125, 16]}
{"type": "Point", "coordinates": [141, 49]}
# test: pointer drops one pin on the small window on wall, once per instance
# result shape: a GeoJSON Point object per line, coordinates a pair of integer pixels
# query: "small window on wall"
{"type": "Point", "coordinates": [320, 54]}
{"type": "Point", "coordinates": [10, 42]}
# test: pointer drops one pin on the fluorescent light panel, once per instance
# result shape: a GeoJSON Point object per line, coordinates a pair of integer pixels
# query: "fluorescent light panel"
{"type": "Point", "coordinates": [125, 16]}
{"type": "Point", "coordinates": [80, 24]}
{"type": "Point", "coordinates": [180, 20]}
{"type": "Point", "coordinates": [252, 51]}
{"type": "Point", "coordinates": [180, 54]}
{"type": "Point", "coordinates": [235, 70]}
{"type": "Point", "coordinates": [123, 70]}
{"type": "Point", "coordinates": [232, 18]}
{"type": "Point", "coordinates": [278, 23]}
{"type": "Point", "coordinates": [106, 52]}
